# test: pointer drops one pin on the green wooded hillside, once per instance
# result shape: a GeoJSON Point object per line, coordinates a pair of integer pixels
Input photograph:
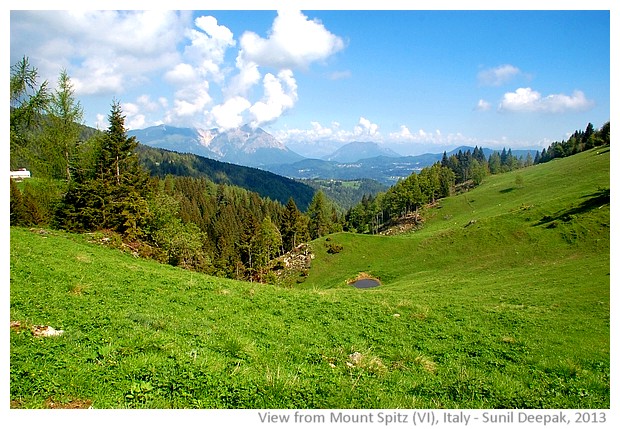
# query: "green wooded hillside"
{"type": "Point", "coordinates": [161, 162]}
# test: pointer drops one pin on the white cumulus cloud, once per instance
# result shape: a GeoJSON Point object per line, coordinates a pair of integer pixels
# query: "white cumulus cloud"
{"type": "Point", "coordinates": [366, 128]}
{"type": "Point", "coordinates": [280, 95]}
{"type": "Point", "coordinates": [182, 74]}
{"type": "Point", "coordinates": [98, 76]}
{"type": "Point", "coordinates": [190, 59]}
{"type": "Point", "coordinates": [229, 114]}
{"type": "Point", "coordinates": [105, 51]}
{"type": "Point", "coordinates": [203, 58]}
{"type": "Point", "coordinates": [404, 138]}
{"type": "Point", "coordinates": [147, 104]}
{"type": "Point", "coordinates": [294, 42]}
{"type": "Point", "coordinates": [528, 100]}
{"type": "Point", "coordinates": [403, 134]}
{"type": "Point", "coordinates": [135, 118]}
{"type": "Point", "coordinates": [189, 101]}
{"type": "Point", "coordinates": [248, 76]}
{"type": "Point", "coordinates": [209, 43]}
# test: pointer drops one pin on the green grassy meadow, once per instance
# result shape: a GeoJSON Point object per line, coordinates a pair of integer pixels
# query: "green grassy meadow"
{"type": "Point", "coordinates": [501, 300]}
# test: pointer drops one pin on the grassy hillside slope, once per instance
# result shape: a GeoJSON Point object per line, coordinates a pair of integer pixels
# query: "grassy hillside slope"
{"type": "Point", "coordinates": [509, 311]}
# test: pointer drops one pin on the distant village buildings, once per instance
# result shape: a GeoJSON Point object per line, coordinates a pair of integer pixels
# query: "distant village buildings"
{"type": "Point", "coordinates": [20, 174]}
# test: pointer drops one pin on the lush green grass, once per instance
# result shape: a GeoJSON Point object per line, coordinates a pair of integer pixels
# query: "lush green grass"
{"type": "Point", "coordinates": [509, 311]}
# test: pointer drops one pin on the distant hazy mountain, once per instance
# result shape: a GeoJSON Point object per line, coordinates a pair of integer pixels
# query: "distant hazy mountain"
{"type": "Point", "coordinates": [247, 146]}
{"type": "Point", "coordinates": [356, 151]}
{"type": "Point", "coordinates": [253, 147]}
{"type": "Point", "coordinates": [384, 169]}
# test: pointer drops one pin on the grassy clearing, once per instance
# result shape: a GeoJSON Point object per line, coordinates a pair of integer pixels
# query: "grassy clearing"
{"type": "Point", "coordinates": [509, 311]}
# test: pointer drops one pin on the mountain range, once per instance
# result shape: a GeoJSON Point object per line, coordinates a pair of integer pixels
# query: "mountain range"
{"type": "Point", "coordinates": [254, 147]}
{"type": "Point", "coordinates": [251, 147]}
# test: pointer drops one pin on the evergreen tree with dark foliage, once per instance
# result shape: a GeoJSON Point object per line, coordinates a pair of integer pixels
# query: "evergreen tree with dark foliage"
{"type": "Point", "coordinates": [293, 228]}
{"type": "Point", "coordinates": [444, 160]}
{"type": "Point", "coordinates": [504, 157]}
{"type": "Point", "coordinates": [319, 216]}
{"type": "Point", "coordinates": [479, 155]}
{"type": "Point", "coordinates": [113, 194]}
{"type": "Point", "coordinates": [18, 215]}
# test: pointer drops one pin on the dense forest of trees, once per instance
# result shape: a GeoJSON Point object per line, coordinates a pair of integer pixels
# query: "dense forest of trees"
{"type": "Point", "coordinates": [161, 162]}
{"type": "Point", "coordinates": [94, 181]}
{"type": "Point", "coordinates": [346, 193]}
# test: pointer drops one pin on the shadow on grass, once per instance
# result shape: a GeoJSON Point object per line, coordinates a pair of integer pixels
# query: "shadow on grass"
{"type": "Point", "coordinates": [594, 201]}
{"type": "Point", "coordinates": [505, 191]}
{"type": "Point", "coordinates": [605, 150]}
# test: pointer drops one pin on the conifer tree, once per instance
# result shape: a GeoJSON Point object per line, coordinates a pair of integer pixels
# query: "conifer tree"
{"type": "Point", "coordinates": [18, 209]}
{"type": "Point", "coordinates": [62, 128]}
{"type": "Point", "coordinates": [28, 104]}
{"type": "Point", "coordinates": [247, 243]}
{"type": "Point", "coordinates": [479, 155]}
{"type": "Point", "coordinates": [319, 216]}
{"type": "Point", "coordinates": [226, 232]}
{"type": "Point", "coordinates": [447, 180]}
{"type": "Point", "coordinates": [294, 229]}
{"type": "Point", "coordinates": [495, 163]}
{"type": "Point", "coordinates": [529, 160]}
{"type": "Point", "coordinates": [117, 159]}
{"type": "Point", "coordinates": [444, 160]}
{"type": "Point", "coordinates": [504, 157]}
{"type": "Point", "coordinates": [113, 194]}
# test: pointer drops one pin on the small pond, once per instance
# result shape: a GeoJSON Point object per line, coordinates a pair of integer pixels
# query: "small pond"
{"type": "Point", "coordinates": [366, 283]}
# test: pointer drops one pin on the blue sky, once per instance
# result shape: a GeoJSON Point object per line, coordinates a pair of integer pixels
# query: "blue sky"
{"type": "Point", "coordinates": [414, 80]}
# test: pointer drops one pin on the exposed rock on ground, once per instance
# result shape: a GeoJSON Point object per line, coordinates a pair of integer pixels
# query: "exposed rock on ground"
{"type": "Point", "coordinates": [293, 264]}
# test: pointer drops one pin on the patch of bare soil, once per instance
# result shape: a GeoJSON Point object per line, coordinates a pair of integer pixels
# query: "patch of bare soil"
{"type": "Point", "coordinates": [18, 326]}
{"type": "Point", "coordinates": [362, 276]}
{"type": "Point", "coordinates": [72, 404]}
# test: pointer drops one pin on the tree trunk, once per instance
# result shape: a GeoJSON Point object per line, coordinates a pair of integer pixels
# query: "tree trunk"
{"type": "Point", "coordinates": [68, 170]}
{"type": "Point", "coordinates": [118, 171]}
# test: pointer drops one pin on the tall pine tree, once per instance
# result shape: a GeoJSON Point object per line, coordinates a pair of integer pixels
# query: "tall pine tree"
{"type": "Point", "coordinates": [62, 129]}
{"type": "Point", "coordinates": [113, 194]}
{"type": "Point", "coordinates": [319, 216]}
{"type": "Point", "coordinates": [293, 226]}
{"type": "Point", "coordinates": [28, 104]}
